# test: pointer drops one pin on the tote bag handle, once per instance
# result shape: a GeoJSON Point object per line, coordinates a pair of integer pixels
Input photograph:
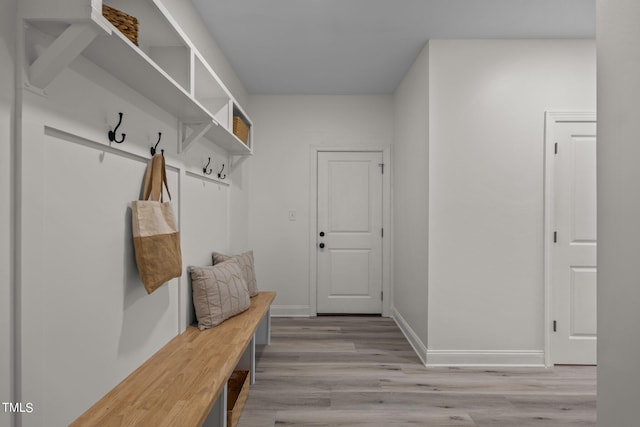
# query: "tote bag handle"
{"type": "Point", "coordinates": [155, 178]}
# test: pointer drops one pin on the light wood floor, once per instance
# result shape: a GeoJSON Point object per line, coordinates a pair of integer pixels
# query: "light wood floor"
{"type": "Point", "coordinates": [360, 371]}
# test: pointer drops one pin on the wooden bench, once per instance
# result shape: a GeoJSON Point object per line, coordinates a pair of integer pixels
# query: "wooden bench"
{"type": "Point", "coordinates": [185, 382]}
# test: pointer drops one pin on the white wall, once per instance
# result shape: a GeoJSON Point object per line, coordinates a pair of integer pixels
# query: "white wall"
{"type": "Point", "coordinates": [85, 321]}
{"type": "Point", "coordinates": [411, 202]}
{"type": "Point", "coordinates": [487, 104]}
{"type": "Point", "coordinates": [618, 212]}
{"type": "Point", "coordinates": [239, 205]}
{"type": "Point", "coordinates": [286, 128]}
{"type": "Point", "coordinates": [7, 61]}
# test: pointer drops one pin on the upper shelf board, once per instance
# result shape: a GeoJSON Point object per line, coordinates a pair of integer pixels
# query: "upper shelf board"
{"type": "Point", "coordinates": [103, 44]}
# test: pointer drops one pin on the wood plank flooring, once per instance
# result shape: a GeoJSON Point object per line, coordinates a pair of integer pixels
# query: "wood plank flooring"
{"type": "Point", "coordinates": [361, 371]}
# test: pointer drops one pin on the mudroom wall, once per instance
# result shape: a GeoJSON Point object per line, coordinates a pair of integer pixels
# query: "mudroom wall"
{"type": "Point", "coordinates": [487, 104]}
{"type": "Point", "coordinates": [7, 95]}
{"type": "Point", "coordinates": [289, 127]}
{"type": "Point", "coordinates": [85, 320]}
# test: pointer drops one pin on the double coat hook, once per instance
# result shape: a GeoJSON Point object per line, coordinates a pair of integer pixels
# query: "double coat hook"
{"type": "Point", "coordinates": [154, 148]}
{"type": "Point", "coordinates": [112, 133]}
{"type": "Point", "coordinates": [220, 175]}
{"type": "Point", "coordinates": [205, 170]}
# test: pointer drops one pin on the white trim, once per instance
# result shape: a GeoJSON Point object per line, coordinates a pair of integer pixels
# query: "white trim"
{"type": "Point", "coordinates": [313, 229]}
{"type": "Point", "coordinates": [508, 358]}
{"type": "Point", "coordinates": [140, 154]}
{"type": "Point", "coordinates": [386, 221]}
{"type": "Point", "coordinates": [201, 176]}
{"type": "Point", "coordinates": [387, 241]}
{"type": "Point", "coordinates": [291, 311]}
{"type": "Point", "coordinates": [418, 346]}
{"type": "Point", "coordinates": [552, 118]}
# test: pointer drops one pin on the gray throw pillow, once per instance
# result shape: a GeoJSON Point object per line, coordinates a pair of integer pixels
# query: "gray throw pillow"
{"type": "Point", "coordinates": [219, 292]}
{"type": "Point", "coordinates": [246, 264]}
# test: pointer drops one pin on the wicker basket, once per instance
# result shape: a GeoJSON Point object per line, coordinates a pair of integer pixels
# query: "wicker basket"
{"type": "Point", "coordinates": [126, 24]}
{"type": "Point", "coordinates": [240, 129]}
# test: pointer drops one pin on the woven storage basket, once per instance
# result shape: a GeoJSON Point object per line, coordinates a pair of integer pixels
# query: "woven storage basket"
{"type": "Point", "coordinates": [240, 129]}
{"type": "Point", "coordinates": [238, 392]}
{"type": "Point", "coordinates": [126, 24]}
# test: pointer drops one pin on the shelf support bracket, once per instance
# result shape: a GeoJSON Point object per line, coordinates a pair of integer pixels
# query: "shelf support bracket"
{"type": "Point", "coordinates": [235, 161]}
{"type": "Point", "coordinates": [197, 133]}
{"type": "Point", "coordinates": [60, 53]}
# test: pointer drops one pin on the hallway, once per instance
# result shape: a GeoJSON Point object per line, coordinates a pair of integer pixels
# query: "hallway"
{"type": "Point", "coordinates": [361, 371]}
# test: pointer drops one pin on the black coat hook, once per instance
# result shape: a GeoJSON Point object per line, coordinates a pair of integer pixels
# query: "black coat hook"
{"type": "Point", "coordinates": [205, 170]}
{"type": "Point", "coordinates": [220, 173]}
{"type": "Point", "coordinates": [154, 148]}
{"type": "Point", "coordinates": [112, 133]}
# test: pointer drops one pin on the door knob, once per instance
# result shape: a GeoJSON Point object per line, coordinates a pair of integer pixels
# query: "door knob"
{"type": "Point", "coordinates": [321, 245]}
{"type": "Point", "coordinates": [322, 234]}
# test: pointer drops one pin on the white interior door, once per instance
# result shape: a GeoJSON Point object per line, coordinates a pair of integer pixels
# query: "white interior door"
{"type": "Point", "coordinates": [573, 260]}
{"type": "Point", "coordinates": [349, 241]}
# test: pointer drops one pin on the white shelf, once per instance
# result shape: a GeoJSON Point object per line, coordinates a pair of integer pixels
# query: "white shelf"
{"type": "Point", "coordinates": [116, 54]}
{"type": "Point", "coordinates": [228, 141]}
{"type": "Point", "coordinates": [166, 68]}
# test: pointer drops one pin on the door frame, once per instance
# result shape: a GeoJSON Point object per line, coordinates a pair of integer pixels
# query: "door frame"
{"type": "Point", "coordinates": [553, 118]}
{"type": "Point", "coordinates": [386, 223]}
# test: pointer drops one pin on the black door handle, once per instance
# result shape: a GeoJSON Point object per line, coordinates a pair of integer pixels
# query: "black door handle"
{"type": "Point", "coordinates": [322, 234]}
{"type": "Point", "coordinates": [321, 245]}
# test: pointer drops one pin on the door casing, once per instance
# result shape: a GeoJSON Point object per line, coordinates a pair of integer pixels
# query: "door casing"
{"type": "Point", "coordinates": [551, 119]}
{"type": "Point", "coordinates": [387, 241]}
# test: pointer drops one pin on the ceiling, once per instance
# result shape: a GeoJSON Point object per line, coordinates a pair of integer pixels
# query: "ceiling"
{"type": "Point", "coordinates": [367, 46]}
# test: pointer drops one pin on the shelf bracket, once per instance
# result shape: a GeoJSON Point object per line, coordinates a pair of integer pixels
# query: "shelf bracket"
{"type": "Point", "coordinates": [236, 160]}
{"type": "Point", "coordinates": [197, 133]}
{"type": "Point", "coordinates": [60, 54]}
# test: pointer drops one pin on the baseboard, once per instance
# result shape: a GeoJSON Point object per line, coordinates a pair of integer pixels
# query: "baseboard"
{"type": "Point", "coordinates": [506, 358]}
{"type": "Point", "coordinates": [412, 337]}
{"type": "Point", "coordinates": [290, 311]}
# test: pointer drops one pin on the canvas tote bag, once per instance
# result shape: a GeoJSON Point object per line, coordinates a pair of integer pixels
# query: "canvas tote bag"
{"type": "Point", "coordinates": [156, 240]}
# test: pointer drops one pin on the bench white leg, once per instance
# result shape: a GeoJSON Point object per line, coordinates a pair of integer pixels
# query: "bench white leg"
{"type": "Point", "coordinates": [218, 415]}
{"type": "Point", "coordinates": [252, 368]}
{"type": "Point", "coordinates": [248, 360]}
{"type": "Point", "coordinates": [261, 337]}
{"type": "Point", "coordinates": [263, 334]}
{"type": "Point", "coordinates": [269, 326]}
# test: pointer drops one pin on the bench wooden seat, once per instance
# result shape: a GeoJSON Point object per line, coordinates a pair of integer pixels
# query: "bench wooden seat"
{"type": "Point", "coordinates": [179, 385]}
